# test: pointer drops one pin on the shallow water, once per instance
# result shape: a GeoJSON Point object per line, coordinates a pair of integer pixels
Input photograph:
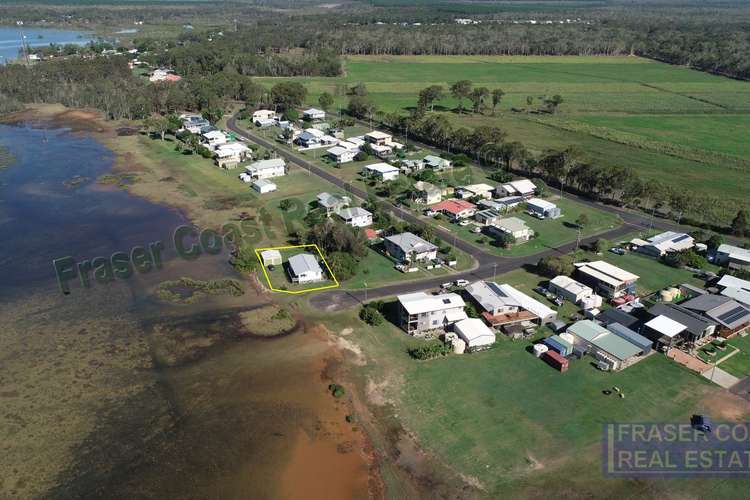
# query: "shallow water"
{"type": "Point", "coordinates": [11, 36]}
{"type": "Point", "coordinates": [108, 393]}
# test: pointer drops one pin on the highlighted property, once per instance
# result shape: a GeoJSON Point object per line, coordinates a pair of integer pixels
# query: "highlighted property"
{"type": "Point", "coordinates": [296, 269]}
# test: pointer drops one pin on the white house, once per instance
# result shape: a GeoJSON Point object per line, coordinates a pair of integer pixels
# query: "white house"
{"type": "Point", "coordinates": [408, 246]}
{"type": "Point", "coordinates": [379, 138]}
{"type": "Point", "coordinates": [356, 217]}
{"type": "Point", "coordinates": [420, 312]}
{"type": "Point", "coordinates": [310, 137]}
{"type": "Point", "coordinates": [267, 169]}
{"type": "Point", "coordinates": [475, 333]}
{"type": "Point", "coordinates": [429, 194]}
{"type": "Point", "coordinates": [314, 114]}
{"type": "Point", "coordinates": [472, 190]}
{"type": "Point", "coordinates": [231, 154]}
{"type": "Point", "coordinates": [264, 186]}
{"type": "Point", "coordinates": [575, 292]}
{"type": "Point", "coordinates": [542, 208]}
{"type": "Point", "coordinates": [382, 171]}
{"type": "Point", "coordinates": [271, 257]}
{"type": "Point", "coordinates": [732, 257]}
{"type": "Point", "coordinates": [522, 187]}
{"type": "Point", "coordinates": [661, 244]}
{"type": "Point", "coordinates": [304, 268]}
{"type": "Point", "coordinates": [333, 203]}
{"type": "Point", "coordinates": [513, 226]}
{"type": "Point", "coordinates": [501, 304]}
{"type": "Point", "coordinates": [436, 163]}
{"type": "Point", "coordinates": [340, 154]}
{"type": "Point", "coordinates": [214, 138]}
{"type": "Point", "coordinates": [263, 115]}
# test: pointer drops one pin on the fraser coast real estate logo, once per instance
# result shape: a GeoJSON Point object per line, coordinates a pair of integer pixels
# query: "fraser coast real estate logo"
{"type": "Point", "coordinates": [663, 449]}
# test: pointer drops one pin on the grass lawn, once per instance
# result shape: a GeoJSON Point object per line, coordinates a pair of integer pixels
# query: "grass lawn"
{"type": "Point", "coordinates": [660, 102]}
{"type": "Point", "coordinates": [517, 426]}
{"type": "Point", "coordinates": [654, 275]}
{"type": "Point", "coordinates": [739, 364]}
{"type": "Point", "coordinates": [552, 233]}
{"type": "Point", "coordinates": [279, 275]}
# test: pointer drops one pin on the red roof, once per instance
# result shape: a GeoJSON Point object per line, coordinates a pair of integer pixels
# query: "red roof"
{"type": "Point", "coordinates": [453, 206]}
{"type": "Point", "coordinates": [371, 233]}
{"type": "Point", "coordinates": [173, 78]}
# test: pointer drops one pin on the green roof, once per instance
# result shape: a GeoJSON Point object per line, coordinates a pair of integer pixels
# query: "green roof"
{"type": "Point", "coordinates": [604, 339]}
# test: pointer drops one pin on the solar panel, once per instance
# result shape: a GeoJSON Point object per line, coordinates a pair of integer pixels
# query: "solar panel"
{"type": "Point", "coordinates": [733, 315]}
{"type": "Point", "coordinates": [683, 237]}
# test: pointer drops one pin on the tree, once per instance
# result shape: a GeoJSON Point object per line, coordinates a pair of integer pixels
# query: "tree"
{"type": "Point", "coordinates": [461, 90]}
{"type": "Point", "coordinates": [552, 266]}
{"type": "Point", "coordinates": [529, 101]}
{"type": "Point", "coordinates": [156, 125]}
{"type": "Point", "coordinates": [359, 89]}
{"type": "Point", "coordinates": [497, 96]}
{"type": "Point", "coordinates": [600, 245]}
{"type": "Point", "coordinates": [582, 221]}
{"type": "Point", "coordinates": [287, 95]}
{"type": "Point", "coordinates": [715, 241]}
{"type": "Point", "coordinates": [506, 240]}
{"type": "Point", "coordinates": [739, 225]}
{"type": "Point", "coordinates": [361, 107]}
{"type": "Point", "coordinates": [325, 100]}
{"type": "Point", "coordinates": [477, 97]}
{"type": "Point", "coordinates": [370, 315]}
{"type": "Point", "coordinates": [428, 96]}
{"type": "Point", "coordinates": [553, 103]}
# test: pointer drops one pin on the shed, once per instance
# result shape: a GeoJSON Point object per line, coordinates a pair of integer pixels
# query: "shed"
{"type": "Point", "coordinates": [271, 257]}
{"type": "Point", "coordinates": [631, 336]}
{"type": "Point", "coordinates": [560, 345]}
{"type": "Point", "coordinates": [475, 333]}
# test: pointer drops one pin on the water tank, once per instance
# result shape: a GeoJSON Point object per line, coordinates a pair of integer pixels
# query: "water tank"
{"type": "Point", "coordinates": [666, 296]}
{"type": "Point", "coordinates": [459, 346]}
{"type": "Point", "coordinates": [540, 349]}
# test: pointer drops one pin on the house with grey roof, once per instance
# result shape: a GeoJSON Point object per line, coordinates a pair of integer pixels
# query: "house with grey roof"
{"type": "Point", "coordinates": [356, 217]}
{"type": "Point", "coordinates": [696, 325]}
{"type": "Point", "coordinates": [612, 351]}
{"type": "Point", "coordinates": [732, 257]}
{"type": "Point", "coordinates": [420, 312]}
{"type": "Point", "coordinates": [408, 247]}
{"type": "Point", "coordinates": [304, 268]}
{"type": "Point", "coordinates": [731, 316]}
{"type": "Point", "coordinates": [436, 163]}
{"type": "Point", "coordinates": [333, 203]}
{"type": "Point", "coordinates": [664, 243]}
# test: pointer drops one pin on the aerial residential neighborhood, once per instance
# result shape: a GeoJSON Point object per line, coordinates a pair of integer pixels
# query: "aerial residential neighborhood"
{"type": "Point", "coordinates": [388, 249]}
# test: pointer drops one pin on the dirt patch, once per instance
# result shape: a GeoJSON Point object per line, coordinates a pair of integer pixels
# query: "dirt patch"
{"type": "Point", "coordinates": [723, 405]}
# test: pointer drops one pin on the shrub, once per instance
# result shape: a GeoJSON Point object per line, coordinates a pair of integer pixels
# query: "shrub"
{"type": "Point", "coordinates": [370, 315]}
{"type": "Point", "coordinates": [429, 350]}
{"type": "Point", "coordinates": [336, 390]}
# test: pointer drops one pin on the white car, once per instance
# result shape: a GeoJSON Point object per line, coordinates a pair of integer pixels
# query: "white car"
{"type": "Point", "coordinates": [464, 223]}
{"type": "Point", "coordinates": [476, 229]}
{"type": "Point", "coordinates": [445, 286]}
{"type": "Point", "coordinates": [462, 283]}
{"type": "Point", "coordinates": [246, 178]}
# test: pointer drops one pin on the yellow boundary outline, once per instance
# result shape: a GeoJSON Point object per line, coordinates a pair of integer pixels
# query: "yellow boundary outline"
{"type": "Point", "coordinates": [296, 292]}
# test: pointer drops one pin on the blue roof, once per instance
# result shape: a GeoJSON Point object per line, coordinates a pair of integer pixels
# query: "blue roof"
{"type": "Point", "coordinates": [631, 336]}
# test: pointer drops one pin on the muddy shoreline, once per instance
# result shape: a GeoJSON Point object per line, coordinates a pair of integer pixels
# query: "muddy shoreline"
{"type": "Point", "coordinates": [207, 383]}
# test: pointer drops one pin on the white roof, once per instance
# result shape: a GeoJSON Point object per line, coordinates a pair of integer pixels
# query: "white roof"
{"type": "Point", "coordinates": [263, 183]}
{"type": "Point", "coordinates": [492, 296]}
{"type": "Point", "coordinates": [356, 140]}
{"type": "Point", "coordinates": [521, 186]}
{"type": "Point", "coordinates": [543, 204]}
{"type": "Point", "coordinates": [313, 111]}
{"type": "Point", "coordinates": [478, 188]}
{"type": "Point", "coordinates": [270, 254]}
{"type": "Point", "coordinates": [350, 213]}
{"type": "Point", "coordinates": [315, 132]}
{"type": "Point", "coordinates": [383, 168]}
{"type": "Point", "coordinates": [231, 149]}
{"type": "Point", "coordinates": [338, 151]}
{"type": "Point", "coordinates": [570, 285]}
{"type": "Point", "coordinates": [474, 332]}
{"type": "Point", "coordinates": [304, 263]}
{"type": "Point", "coordinates": [606, 272]}
{"type": "Point", "coordinates": [666, 326]}
{"type": "Point", "coordinates": [214, 134]}
{"type": "Point", "coordinates": [376, 134]}
{"type": "Point", "coordinates": [266, 164]}
{"type": "Point", "coordinates": [733, 282]}
{"type": "Point", "coordinates": [348, 145]}
{"type": "Point", "coordinates": [263, 112]}
{"type": "Point", "coordinates": [420, 302]}
{"type": "Point", "coordinates": [378, 148]}
{"type": "Point", "coordinates": [735, 288]}
{"type": "Point", "coordinates": [511, 224]}
{"type": "Point", "coordinates": [671, 240]}
{"type": "Point", "coordinates": [735, 252]}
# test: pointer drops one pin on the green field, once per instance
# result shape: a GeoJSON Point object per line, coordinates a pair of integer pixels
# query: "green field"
{"type": "Point", "coordinates": [507, 421]}
{"type": "Point", "coordinates": [739, 364]}
{"type": "Point", "coordinates": [663, 109]}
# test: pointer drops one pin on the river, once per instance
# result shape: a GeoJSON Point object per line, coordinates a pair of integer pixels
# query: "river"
{"type": "Point", "coordinates": [108, 392]}
{"type": "Point", "coordinates": [11, 36]}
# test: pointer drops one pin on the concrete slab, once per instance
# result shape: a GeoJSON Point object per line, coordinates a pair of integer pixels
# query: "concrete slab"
{"type": "Point", "coordinates": [720, 377]}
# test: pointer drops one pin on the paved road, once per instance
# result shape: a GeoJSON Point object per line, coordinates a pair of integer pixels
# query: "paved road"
{"type": "Point", "coordinates": [487, 265]}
